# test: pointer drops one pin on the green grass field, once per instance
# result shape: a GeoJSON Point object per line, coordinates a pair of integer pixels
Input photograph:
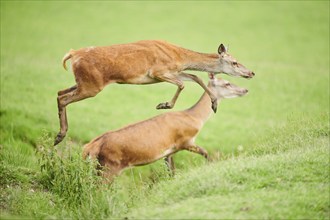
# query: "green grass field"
{"type": "Point", "coordinates": [270, 148]}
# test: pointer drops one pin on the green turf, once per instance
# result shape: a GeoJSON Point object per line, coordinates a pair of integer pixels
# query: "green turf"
{"type": "Point", "coordinates": [270, 147]}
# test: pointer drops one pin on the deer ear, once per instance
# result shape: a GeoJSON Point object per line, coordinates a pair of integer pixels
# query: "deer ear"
{"type": "Point", "coordinates": [222, 49]}
{"type": "Point", "coordinates": [211, 76]}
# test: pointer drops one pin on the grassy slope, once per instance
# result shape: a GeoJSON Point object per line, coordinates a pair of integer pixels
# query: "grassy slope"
{"type": "Point", "coordinates": [271, 186]}
{"type": "Point", "coordinates": [290, 55]}
{"type": "Point", "coordinates": [289, 183]}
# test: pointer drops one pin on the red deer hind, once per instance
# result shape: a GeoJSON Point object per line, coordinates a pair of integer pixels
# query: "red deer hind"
{"type": "Point", "coordinates": [161, 136]}
{"type": "Point", "coordinates": [143, 62]}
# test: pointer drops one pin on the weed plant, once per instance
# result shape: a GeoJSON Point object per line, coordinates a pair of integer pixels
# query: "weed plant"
{"type": "Point", "coordinates": [76, 182]}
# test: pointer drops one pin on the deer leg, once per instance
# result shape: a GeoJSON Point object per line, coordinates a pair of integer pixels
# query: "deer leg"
{"type": "Point", "coordinates": [170, 104]}
{"type": "Point", "coordinates": [174, 80]}
{"type": "Point", "coordinates": [70, 95]}
{"type": "Point", "coordinates": [62, 114]}
{"type": "Point", "coordinates": [214, 99]}
{"type": "Point", "coordinates": [198, 150]}
{"type": "Point", "coordinates": [63, 123]}
{"type": "Point", "coordinates": [109, 175]}
{"type": "Point", "coordinates": [110, 171]}
{"type": "Point", "coordinates": [64, 91]}
{"type": "Point", "coordinates": [169, 161]}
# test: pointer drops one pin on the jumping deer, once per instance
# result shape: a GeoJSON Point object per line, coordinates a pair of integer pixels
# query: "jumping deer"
{"type": "Point", "coordinates": [143, 62]}
{"type": "Point", "coordinates": [158, 137]}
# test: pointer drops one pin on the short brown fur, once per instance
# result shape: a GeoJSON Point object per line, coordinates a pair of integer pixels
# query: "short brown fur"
{"type": "Point", "coordinates": [143, 62]}
{"type": "Point", "coordinates": [161, 136]}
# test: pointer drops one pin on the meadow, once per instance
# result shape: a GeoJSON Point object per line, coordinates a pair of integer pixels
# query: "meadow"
{"type": "Point", "coordinates": [270, 149]}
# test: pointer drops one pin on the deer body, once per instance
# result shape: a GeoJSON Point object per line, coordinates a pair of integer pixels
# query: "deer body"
{"type": "Point", "coordinates": [134, 63]}
{"type": "Point", "coordinates": [161, 136]}
{"type": "Point", "coordinates": [133, 145]}
{"type": "Point", "coordinates": [138, 63]}
{"type": "Point", "coordinates": [143, 62]}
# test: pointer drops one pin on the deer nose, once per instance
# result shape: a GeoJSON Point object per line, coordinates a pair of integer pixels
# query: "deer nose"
{"type": "Point", "coordinates": [253, 74]}
{"type": "Point", "coordinates": [246, 91]}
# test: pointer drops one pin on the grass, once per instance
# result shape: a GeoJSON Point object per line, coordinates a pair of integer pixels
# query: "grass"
{"type": "Point", "coordinates": [252, 187]}
{"type": "Point", "coordinates": [289, 180]}
{"type": "Point", "coordinates": [270, 148]}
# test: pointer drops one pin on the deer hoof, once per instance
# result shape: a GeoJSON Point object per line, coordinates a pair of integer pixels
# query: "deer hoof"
{"type": "Point", "coordinates": [58, 139]}
{"type": "Point", "coordinates": [215, 106]}
{"type": "Point", "coordinates": [165, 105]}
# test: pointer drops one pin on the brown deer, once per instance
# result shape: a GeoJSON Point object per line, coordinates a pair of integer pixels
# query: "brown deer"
{"type": "Point", "coordinates": [143, 62]}
{"type": "Point", "coordinates": [161, 136]}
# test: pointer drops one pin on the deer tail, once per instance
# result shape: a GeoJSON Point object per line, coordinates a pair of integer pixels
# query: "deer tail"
{"type": "Point", "coordinates": [66, 57]}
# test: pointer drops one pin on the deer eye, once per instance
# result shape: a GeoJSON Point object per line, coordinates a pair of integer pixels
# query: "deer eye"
{"type": "Point", "coordinates": [227, 84]}
{"type": "Point", "coordinates": [235, 63]}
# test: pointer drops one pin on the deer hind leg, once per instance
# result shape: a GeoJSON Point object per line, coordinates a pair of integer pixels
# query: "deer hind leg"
{"type": "Point", "coordinates": [110, 170]}
{"type": "Point", "coordinates": [109, 174]}
{"type": "Point", "coordinates": [65, 97]}
{"type": "Point", "coordinates": [200, 82]}
{"type": "Point", "coordinates": [174, 80]}
{"type": "Point", "coordinates": [64, 91]}
{"type": "Point", "coordinates": [169, 161]}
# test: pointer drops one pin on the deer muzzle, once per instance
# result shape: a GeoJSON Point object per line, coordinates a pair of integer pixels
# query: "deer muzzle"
{"type": "Point", "coordinates": [249, 75]}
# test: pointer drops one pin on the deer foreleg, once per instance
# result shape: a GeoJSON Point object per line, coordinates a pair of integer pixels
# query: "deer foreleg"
{"type": "Point", "coordinates": [170, 104]}
{"type": "Point", "coordinates": [170, 164]}
{"type": "Point", "coordinates": [214, 99]}
{"type": "Point", "coordinates": [174, 80]}
{"type": "Point", "coordinates": [198, 150]}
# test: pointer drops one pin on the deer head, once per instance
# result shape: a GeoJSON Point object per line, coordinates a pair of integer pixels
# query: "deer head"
{"type": "Point", "coordinates": [230, 66]}
{"type": "Point", "coordinates": [224, 89]}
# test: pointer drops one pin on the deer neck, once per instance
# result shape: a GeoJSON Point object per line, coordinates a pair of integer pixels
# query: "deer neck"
{"type": "Point", "coordinates": [202, 109]}
{"type": "Point", "coordinates": [201, 61]}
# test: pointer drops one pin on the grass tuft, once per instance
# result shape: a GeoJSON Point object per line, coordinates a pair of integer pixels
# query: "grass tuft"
{"type": "Point", "coordinates": [75, 181]}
